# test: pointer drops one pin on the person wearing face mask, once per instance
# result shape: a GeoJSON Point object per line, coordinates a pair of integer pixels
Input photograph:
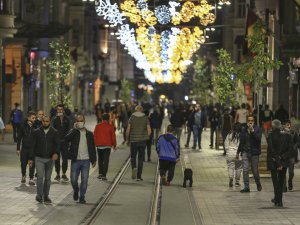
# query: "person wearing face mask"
{"type": "Point", "coordinates": [24, 143]}
{"type": "Point", "coordinates": [45, 150]}
{"type": "Point", "coordinates": [250, 150]}
{"type": "Point", "coordinates": [39, 117]}
{"type": "Point", "coordinates": [62, 124]}
{"type": "Point", "coordinates": [82, 152]}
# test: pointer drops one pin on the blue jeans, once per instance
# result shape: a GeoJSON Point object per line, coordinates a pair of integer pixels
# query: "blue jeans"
{"type": "Point", "coordinates": [197, 135]}
{"type": "Point", "coordinates": [138, 148]}
{"type": "Point", "coordinates": [77, 167]}
{"type": "Point", "coordinates": [44, 169]}
{"type": "Point", "coordinates": [254, 160]}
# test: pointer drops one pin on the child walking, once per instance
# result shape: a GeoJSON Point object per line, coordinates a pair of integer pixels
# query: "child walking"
{"type": "Point", "coordinates": [168, 151]}
{"type": "Point", "coordinates": [234, 163]}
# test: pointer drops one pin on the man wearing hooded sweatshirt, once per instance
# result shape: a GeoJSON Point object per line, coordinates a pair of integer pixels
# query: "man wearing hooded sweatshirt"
{"type": "Point", "coordinates": [137, 133]}
{"type": "Point", "coordinates": [168, 150]}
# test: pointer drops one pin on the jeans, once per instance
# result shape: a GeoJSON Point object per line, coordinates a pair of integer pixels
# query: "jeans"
{"type": "Point", "coordinates": [197, 135]}
{"type": "Point", "coordinates": [103, 160]}
{"type": "Point", "coordinates": [24, 157]}
{"type": "Point", "coordinates": [278, 178]}
{"type": "Point", "coordinates": [213, 131]}
{"type": "Point", "coordinates": [77, 167]}
{"type": "Point", "coordinates": [254, 160]}
{"type": "Point", "coordinates": [137, 149]}
{"type": "Point", "coordinates": [44, 169]}
{"type": "Point", "coordinates": [164, 166]}
{"type": "Point", "coordinates": [64, 156]}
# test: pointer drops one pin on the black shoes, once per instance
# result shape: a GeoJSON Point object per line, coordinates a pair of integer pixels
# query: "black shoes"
{"type": "Point", "coordinates": [245, 190]}
{"type": "Point", "coordinates": [75, 196]}
{"type": "Point", "coordinates": [39, 199]}
{"type": "Point", "coordinates": [290, 185]}
{"type": "Point", "coordinates": [82, 200]}
{"type": "Point", "coordinates": [139, 179]}
{"type": "Point", "coordinates": [57, 178]}
{"type": "Point", "coordinates": [259, 187]}
{"type": "Point", "coordinates": [64, 178]}
{"type": "Point", "coordinates": [47, 200]}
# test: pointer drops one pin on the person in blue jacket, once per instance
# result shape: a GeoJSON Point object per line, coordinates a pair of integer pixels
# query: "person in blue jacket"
{"type": "Point", "coordinates": [168, 151]}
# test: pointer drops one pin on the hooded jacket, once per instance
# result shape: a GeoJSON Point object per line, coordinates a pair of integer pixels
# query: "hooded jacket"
{"type": "Point", "coordinates": [168, 148]}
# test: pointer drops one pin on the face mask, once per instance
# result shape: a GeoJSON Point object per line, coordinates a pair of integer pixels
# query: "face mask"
{"type": "Point", "coordinates": [39, 118]}
{"type": "Point", "coordinates": [46, 127]}
{"type": "Point", "coordinates": [59, 114]}
{"type": "Point", "coordinates": [30, 123]}
{"type": "Point", "coordinates": [80, 125]}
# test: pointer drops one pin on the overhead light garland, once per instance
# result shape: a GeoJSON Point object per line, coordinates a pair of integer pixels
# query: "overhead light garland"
{"type": "Point", "coordinates": [161, 41]}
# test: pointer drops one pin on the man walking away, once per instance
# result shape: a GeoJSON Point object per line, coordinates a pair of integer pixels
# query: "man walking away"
{"type": "Point", "coordinates": [45, 149]}
{"type": "Point", "coordinates": [25, 140]}
{"type": "Point", "coordinates": [105, 139]}
{"type": "Point", "coordinates": [82, 152]}
{"type": "Point", "coordinates": [168, 150]}
{"type": "Point", "coordinates": [137, 133]}
{"type": "Point", "coordinates": [250, 149]}
{"type": "Point", "coordinates": [62, 124]}
{"type": "Point", "coordinates": [16, 118]}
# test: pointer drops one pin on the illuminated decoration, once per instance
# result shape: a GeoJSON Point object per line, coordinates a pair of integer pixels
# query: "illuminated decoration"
{"type": "Point", "coordinates": [162, 41]}
{"type": "Point", "coordinates": [162, 14]}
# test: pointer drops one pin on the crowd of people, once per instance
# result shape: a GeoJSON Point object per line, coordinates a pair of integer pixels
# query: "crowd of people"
{"type": "Point", "coordinates": [47, 141]}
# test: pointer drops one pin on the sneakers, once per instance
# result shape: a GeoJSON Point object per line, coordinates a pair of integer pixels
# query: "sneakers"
{"type": "Point", "coordinates": [31, 182]}
{"type": "Point", "coordinates": [64, 178]}
{"type": "Point", "coordinates": [75, 196]}
{"type": "Point", "coordinates": [39, 198]}
{"type": "Point", "coordinates": [134, 173]}
{"type": "Point", "coordinates": [57, 178]}
{"type": "Point", "coordinates": [47, 200]}
{"type": "Point", "coordinates": [100, 176]}
{"type": "Point", "coordinates": [104, 178]}
{"type": "Point", "coordinates": [259, 187]}
{"type": "Point", "coordinates": [237, 184]}
{"type": "Point", "coordinates": [139, 179]}
{"type": "Point", "coordinates": [23, 180]}
{"type": "Point", "coordinates": [231, 183]}
{"type": "Point", "coordinates": [82, 200]}
{"type": "Point", "coordinates": [245, 190]}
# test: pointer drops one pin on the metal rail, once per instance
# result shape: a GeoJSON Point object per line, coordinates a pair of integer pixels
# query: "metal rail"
{"type": "Point", "coordinates": [91, 217]}
{"type": "Point", "coordinates": [155, 208]}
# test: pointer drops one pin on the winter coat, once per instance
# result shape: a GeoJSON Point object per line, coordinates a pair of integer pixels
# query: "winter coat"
{"type": "Point", "coordinates": [168, 147]}
{"type": "Point", "coordinates": [279, 151]}
{"type": "Point", "coordinates": [74, 138]}
{"type": "Point", "coordinates": [250, 143]}
{"type": "Point", "coordinates": [25, 137]}
{"type": "Point", "coordinates": [104, 135]}
{"type": "Point", "coordinates": [61, 127]}
{"type": "Point", "coordinates": [45, 144]}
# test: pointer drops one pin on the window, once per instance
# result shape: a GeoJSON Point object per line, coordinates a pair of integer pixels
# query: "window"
{"type": "Point", "coordinates": [241, 8]}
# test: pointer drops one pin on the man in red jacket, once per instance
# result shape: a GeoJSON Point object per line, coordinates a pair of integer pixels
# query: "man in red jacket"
{"type": "Point", "coordinates": [105, 139]}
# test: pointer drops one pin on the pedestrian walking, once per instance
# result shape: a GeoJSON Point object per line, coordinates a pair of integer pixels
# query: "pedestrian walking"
{"type": "Point", "coordinates": [82, 153]}
{"type": "Point", "coordinates": [24, 145]}
{"type": "Point", "coordinates": [189, 125]}
{"type": "Point", "coordinates": [215, 123]}
{"type": "Point", "coordinates": [233, 160]}
{"type": "Point", "coordinates": [241, 115]}
{"type": "Point", "coordinates": [45, 149]}
{"type": "Point", "coordinates": [105, 140]}
{"type": "Point", "coordinates": [267, 117]}
{"type": "Point", "coordinates": [16, 118]}
{"type": "Point", "coordinates": [250, 150]}
{"type": "Point", "coordinates": [198, 119]}
{"type": "Point", "coordinates": [137, 133]}
{"type": "Point", "coordinates": [62, 124]}
{"type": "Point", "coordinates": [227, 125]}
{"type": "Point", "coordinates": [168, 150]}
{"type": "Point", "coordinates": [280, 147]}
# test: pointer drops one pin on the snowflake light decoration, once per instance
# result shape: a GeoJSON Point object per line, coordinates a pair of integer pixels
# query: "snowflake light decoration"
{"type": "Point", "coordinates": [162, 14]}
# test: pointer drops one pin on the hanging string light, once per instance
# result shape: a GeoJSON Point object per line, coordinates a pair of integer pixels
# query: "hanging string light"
{"type": "Point", "coordinates": [161, 41]}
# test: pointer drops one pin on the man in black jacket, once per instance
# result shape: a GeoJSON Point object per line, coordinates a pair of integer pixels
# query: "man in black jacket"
{"type": "Point", "coordinates": [82, 152]}
{"type": "Point", "coordinates": [25, 140]}
{"type": "Point", "coordinates": [62, 124]}
{"type": "Point", "coordinates": [45, 149]}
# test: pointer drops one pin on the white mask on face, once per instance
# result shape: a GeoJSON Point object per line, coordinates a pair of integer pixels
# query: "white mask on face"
{"type": "Point", "coordinates": [59, 114]}
{"type": "Point", "coordinates": [80, 125]}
